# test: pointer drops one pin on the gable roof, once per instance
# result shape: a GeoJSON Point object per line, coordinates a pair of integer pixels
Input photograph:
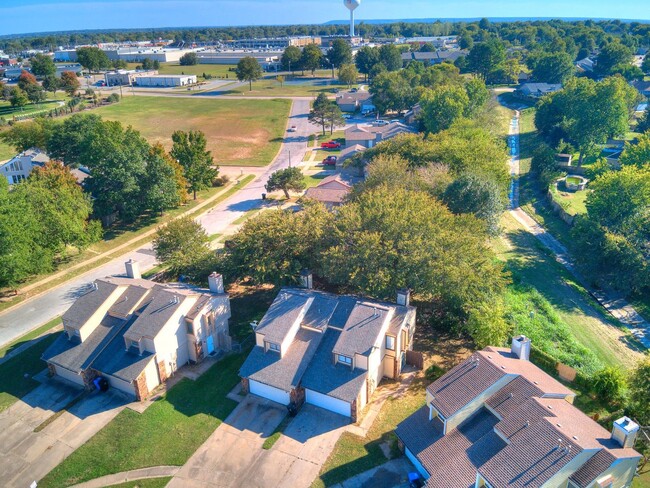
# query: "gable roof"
{"type": "Point", "coordinates": [332, 189]}
{"type": "Point", "coordinates": [330, 324]}
{"type": "Point", "coordinates": [87, 304]}
{"type": "Point", "coordinates": [530, 431]}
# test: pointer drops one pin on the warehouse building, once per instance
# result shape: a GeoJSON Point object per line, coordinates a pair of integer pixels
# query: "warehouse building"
{"type": "Point", "coordinates": [268, 61]}
{"type": "Point", "coordinates": [165, 81]}
{"type": "Point", "coordinates": [126, 77]}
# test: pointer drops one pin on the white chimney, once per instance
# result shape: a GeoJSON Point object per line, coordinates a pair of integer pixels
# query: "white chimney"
{"type": "Point", "coordinates": [404, 297]}
{"type": "Point", "coordinates": [215, 281]}
{"type": "Point", "coordinates": [306, 279]}
{"type": "Point", "coordinates": [521, 347]}
{"type": "Point", "coordinates": [133, 269]}
{"type": "Point", "coordinates": [625, 431]}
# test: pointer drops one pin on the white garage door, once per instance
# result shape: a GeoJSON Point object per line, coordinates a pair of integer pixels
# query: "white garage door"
{"type": "Point", "coordinates": [328, 403]}
{"type": "Point", "coordinates": [266, 391]}
{"type": "Point", "coordinates": [69, 375]}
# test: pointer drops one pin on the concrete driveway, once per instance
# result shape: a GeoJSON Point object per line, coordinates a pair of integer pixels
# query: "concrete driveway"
{"type": "Point", "coordinates": [25, 455]}
{"type": "Point", "coordinates": [233, 455]}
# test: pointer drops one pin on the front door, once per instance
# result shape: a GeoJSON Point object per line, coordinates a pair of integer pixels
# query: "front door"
{"type": "Point", "coordinates": [210, 342]}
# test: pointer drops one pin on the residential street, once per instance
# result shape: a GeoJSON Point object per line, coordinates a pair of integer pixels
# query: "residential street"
{"type": "Point", "coordinates": [30, 314]}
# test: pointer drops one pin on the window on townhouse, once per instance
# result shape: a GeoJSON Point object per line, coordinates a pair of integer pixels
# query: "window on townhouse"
{"type": "Point", "coordinates": [272, 346]}
{"type": "Point", "coordinates": [344, 359]}
{"type": "Point", "coordinates": [390, 343]}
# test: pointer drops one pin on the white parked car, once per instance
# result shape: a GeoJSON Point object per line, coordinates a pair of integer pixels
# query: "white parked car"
{"type": "Point", "coordinates": [380, 123]}
{"type": "Point", "coordinates": [293, 128]}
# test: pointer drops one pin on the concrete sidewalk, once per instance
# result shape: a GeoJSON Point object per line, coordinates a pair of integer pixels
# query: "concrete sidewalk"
{"type": "Point", "coordinates": [136, 474]}
{"type": "Point", "coordinates": [393, 474]}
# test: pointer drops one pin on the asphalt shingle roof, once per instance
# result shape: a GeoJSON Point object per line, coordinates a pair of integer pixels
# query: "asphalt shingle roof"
{"type": "Point", "coordinates": [116, 360]}
{"type": "Point", "coordinates": [79, 356]}
{"type": "Point", "coordinates": [127, 300]}
{"type": "Point", "coordinates": [282, 315]}
{"type": "Point", "coordinates": [160, 305]}
{"type": "Point", "coordinates": [87, 304]}
{"type": "Point", "coordinates": [361, 330]}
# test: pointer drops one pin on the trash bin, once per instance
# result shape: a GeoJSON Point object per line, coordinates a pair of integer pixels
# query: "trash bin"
{"type": "Point", "coordinates": [263, 196]}
{"type": "Point", "coordinates": [101, 383]}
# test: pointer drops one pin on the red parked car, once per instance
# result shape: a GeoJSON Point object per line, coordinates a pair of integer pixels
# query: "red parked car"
{"type": "Point", "coordinates": [331, 145]}
{"type": "Point", "coordinates": [330, 161]}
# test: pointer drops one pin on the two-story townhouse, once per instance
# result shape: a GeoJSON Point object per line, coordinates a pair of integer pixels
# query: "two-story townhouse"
{"type": "Point", "coordinates": [496, 420]}
{"type": "Point", "coordinates": [20, 166]}
{"type": "Point", "coordinates": [137, 333]}
{"type": "Point", "coordinates": [327, 350]}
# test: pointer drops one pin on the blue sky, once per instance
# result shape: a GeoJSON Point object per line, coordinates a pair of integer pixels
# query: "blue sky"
{"type": "Point", "coordinates": [20, 16]}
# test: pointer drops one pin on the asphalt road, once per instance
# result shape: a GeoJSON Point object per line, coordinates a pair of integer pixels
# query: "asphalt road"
{"type": "Point", "coordinates": [35, 312]}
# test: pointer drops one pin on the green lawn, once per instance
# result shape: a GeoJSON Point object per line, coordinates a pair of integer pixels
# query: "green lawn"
{"type": "Point", "coordinates": [314, 180]}
{"type": "Point", "coordinates": [167, 433]}
{"type": "Point", "coordinates": [239, 132]}
{"type": "Point", "coordinates": [146, 483]}
{"type": "Point", "coordinates": [573, 202]}
{"type": "Point", "coordinates": [353, 454]}
{"type": "Point", "coordinates": [8, 112]}
{"type": "Point", "coordinates": [17, 372]}
{"type": "Point", "coordinates": [532, 265]}
{"type": "Point", "coordinates": [297, 87]}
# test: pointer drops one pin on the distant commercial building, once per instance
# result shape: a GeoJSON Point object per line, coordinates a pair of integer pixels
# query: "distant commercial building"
{"type": "Point", "coordinates": [126, 77]}
{"type": "Point", "coordinates": [269, 61]}
{"type": "Point", "coordinates": [280, 43]}
{"type": "Point", "coordinates": [326, 41]}
{"type": "Point", "coordinates": [73, 67]}
{"type": "Point", "coordinates": [440, 42]}
{"type": "Point", "coordinates": [130, 54]}
{"type": "Point", "coordinates": [165, 81]}
{"type": "Point", "coordinates": [14, 73]}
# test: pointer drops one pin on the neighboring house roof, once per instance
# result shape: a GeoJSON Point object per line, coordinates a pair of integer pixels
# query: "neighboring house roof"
{"type": "Point", "coordinates": [127, 300]}
{"type": "Point", "coordinates": [328, 324]}
{"type": "Point", "coordinates": [87, 304]}
{"type": "Point", "coordinates": [433, 57]}
{"type": "Point", "coordinates": [522, 435]}
{"type": "Point", "coordinates": [350, 151]}
{"type": "Point", "coordinates": [642, 86]}
{"type": "Point", "coordinates": [539, 89]}
{"type": "Point", "coordinates": [332, 190]}
{"type": "Point", "coordinates": [586, 64]}
{"type": "Point", "coordinates": [371, 133]}
{"type": "Point", "coordinates": [356, 98]}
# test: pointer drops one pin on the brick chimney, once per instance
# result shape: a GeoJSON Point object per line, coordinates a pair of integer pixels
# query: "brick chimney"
{"type": "Point", "coordinates": [133, 269]}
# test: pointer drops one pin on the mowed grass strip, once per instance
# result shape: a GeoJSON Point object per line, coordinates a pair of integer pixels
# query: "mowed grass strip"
{"type": "Point", "coordinates": [166, 434]}
{"type": "Point", "coordinates": [239, 132]}
{"type": "Point", "coordinates": [17, 372]}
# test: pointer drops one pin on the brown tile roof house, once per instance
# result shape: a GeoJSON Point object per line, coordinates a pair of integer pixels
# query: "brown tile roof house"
{"type": "Point", "coordinates": [369, 136]}
{"type": "Point", "coordinates": [327, 350]}
{"type": "Point", "coordinates": [136, 333]}
{"type": "Point", "coordinates": [497, 420]}
{"type": "Point", "coordinates": [331, 191]}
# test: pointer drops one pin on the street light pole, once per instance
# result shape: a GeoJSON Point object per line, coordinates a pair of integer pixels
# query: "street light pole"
{"type": "Point", "coordinates": [290, 158]}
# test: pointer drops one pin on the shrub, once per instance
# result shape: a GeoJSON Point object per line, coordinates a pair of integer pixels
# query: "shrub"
{"type": "Point", "coordinates": [609, 385]}
{"type": "Point", "coordinates": [434, 372]}
{"type": "Point", "coordinates": [221, 180]}
{"type": "Point", "coordinates": [113, 97]}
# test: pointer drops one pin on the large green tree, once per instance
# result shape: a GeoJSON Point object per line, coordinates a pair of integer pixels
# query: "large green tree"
{"type": "Point", "coordinates": [43, 66]}
{"type": "Point", "coordinates": [93, 59]}
{"type": "Point", "coordinates": [551, 67]}
{"type": "Point", "coordinates": [69, 82]}
{"type": "Point", "coordinates": [319, 114]}
{"type": "Point", "coordinates": [190, 150]}
{"type": "Point", "coordinates": [311, 58]}
{"type": "Point", "coordinates": [348, 74]}
{"type": "Point", "coordinates": [442, 106]}
{"type": "Point", "coordinates": [291, 58]}
{"type": "Point", "coordinates": [391, 57]}
{"type": "Point", "coordinates": [612, 56]}
{"type": "Point", "coordinates": [162, 188]}
{"type": "Point", "coordinates": [249, 69]}
{"type": "Point", "coordinates": [486, 57]}
{"type": "Point", "coordinates": [339, 54]}
{"type": "Point", "coordinates": [637, 154]}
{"type": "Point", "coordinates": [288, 179]}
{"type": "Point", "coordinates": [181, 244]}
{"type": "Point", "coordinates": [366, 59]}
{"type": "Point", "coordinates": [35, 133]}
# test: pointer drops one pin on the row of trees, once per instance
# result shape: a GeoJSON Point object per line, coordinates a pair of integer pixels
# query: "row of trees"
{"type": "Point", "coordinates": [584, 35]}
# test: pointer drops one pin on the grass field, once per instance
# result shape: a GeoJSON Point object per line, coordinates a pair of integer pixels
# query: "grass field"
{"type": "Point", "coordinates": [167, 433]}
{"type": "Point", "coordinates": [8, 112]}
{"type": "Point", "coordinates": [239, 132]}
{"type": "Point", "coordinates": [215, 70]}
{"type": "Point", "coordinates": [297, 87]}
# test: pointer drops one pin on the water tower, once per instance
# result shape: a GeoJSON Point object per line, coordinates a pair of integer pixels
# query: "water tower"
{"type": "Point", "coordinates": [351, 5]}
